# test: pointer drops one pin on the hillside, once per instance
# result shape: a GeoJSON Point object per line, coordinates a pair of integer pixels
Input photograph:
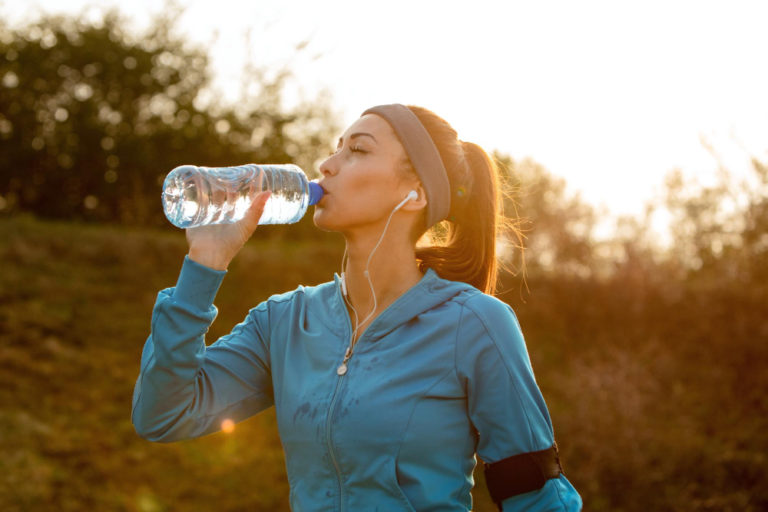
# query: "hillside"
{"type": "Point", "coordinates": [76, 303]}
{"type": "Point", "coordinates": [656, 388]}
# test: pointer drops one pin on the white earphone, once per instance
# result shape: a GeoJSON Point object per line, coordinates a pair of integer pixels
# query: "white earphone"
{"type": "Point", "coordinates": [411, 195]}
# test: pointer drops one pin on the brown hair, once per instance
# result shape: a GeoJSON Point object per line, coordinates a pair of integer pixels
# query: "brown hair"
{"type": "Point", "coordinates": [466, 242]}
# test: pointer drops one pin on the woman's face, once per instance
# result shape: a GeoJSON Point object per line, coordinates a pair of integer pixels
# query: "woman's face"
{"type": "Point", "coordinates": [362, 179]}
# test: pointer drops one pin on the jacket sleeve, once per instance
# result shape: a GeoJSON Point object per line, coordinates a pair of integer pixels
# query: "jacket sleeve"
{"type": "Point", "coordinates": [186, 389]}
{"type": "Point", "coordinates": [505, 404]}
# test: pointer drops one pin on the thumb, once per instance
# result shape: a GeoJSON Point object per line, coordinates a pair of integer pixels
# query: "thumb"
{"type": "Point", "coordinates": [256, 209]}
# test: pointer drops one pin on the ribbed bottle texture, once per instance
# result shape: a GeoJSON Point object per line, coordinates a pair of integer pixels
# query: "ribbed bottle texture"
{"type": "Point", "coordinates": [197, 196]}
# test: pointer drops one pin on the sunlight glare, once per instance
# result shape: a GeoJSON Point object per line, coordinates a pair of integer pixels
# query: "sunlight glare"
{"type": "Point", "coordinates": [227, 426]}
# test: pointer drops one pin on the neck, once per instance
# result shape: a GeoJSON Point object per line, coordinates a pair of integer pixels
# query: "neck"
{"type": "Point", "coordinates": [393, 270]}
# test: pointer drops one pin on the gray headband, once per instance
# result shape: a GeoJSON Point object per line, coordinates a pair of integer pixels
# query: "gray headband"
{"type": "Point", "coordinates": [424, 156]}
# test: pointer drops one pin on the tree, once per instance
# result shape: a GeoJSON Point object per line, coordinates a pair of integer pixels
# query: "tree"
{"type": "Point", "coordinates": [558, 227]}
{"type": "Point", "coordinates": [93, 117]}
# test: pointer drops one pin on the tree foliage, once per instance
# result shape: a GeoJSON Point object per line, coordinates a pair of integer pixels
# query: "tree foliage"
{"type": "Point", "coordinates": [660, 350]}
{"type": "Point", "coordinates": [93, 117]}
{"type": "Point", "coordinates": [557, 226]}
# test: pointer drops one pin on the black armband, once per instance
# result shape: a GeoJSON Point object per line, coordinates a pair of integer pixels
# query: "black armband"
{"type": "Point", "coordinates": [521, 473]}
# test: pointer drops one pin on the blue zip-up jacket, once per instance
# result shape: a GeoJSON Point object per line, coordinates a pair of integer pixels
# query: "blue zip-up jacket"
{"type": "Point", "coordinates": [439, 376]}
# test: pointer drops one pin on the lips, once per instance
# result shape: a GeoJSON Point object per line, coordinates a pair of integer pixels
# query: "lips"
{"type": "Point", "coordinates": [325, 194]}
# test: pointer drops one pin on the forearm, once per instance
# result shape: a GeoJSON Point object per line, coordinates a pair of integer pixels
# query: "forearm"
{"type": "Point", "coordinates": [167, 401]}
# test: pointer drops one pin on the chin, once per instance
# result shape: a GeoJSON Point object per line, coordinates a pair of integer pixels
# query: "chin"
{"type": "Point", "coordinates": [321, 220]}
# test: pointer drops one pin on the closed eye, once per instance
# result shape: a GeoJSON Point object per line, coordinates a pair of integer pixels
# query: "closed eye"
{"type": "Point", "coordinates": [356, 148]}
{"type": "Point", "coordinates": [353, 149]}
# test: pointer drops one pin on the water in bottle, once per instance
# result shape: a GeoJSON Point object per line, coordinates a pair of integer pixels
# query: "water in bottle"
{"type": "Point", "coordinates": [196, 196]}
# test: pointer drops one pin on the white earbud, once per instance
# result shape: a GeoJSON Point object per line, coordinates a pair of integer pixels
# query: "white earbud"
{"type": "Point", "coordinates": [411, 195]}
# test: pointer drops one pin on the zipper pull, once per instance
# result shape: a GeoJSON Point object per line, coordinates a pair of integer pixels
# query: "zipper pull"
{"type": "Point", "coordinates": [342, 369]}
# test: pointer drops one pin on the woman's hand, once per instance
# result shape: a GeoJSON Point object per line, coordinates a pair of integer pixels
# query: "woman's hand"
{"type": "Point", "coordinates": [216, 245]}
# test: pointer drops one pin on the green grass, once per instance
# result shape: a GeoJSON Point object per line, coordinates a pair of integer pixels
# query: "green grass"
{"type": "Point", "coordinates": [76, 302]}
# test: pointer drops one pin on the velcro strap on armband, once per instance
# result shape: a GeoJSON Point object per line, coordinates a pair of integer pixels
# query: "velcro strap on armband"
{"type": "Point", "coordinates": [521, 473]}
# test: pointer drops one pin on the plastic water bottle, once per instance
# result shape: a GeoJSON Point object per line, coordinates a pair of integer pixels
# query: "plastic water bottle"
{"type": "Point", "coordinates": [196, 196]}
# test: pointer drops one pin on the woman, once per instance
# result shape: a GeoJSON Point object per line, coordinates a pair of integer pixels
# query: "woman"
{"type": "Point", "coordinates": [388, 380]}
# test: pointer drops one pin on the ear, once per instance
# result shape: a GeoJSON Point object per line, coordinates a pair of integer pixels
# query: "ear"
{"type": "Point", "coordinates": [419, 203]}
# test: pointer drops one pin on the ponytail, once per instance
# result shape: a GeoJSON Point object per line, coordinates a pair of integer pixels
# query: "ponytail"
{"type": "Point", "coordinates": [466, 251]}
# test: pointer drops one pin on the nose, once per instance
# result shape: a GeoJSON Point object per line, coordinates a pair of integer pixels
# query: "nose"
{"type": "Point", "coordinates": [328, 167]}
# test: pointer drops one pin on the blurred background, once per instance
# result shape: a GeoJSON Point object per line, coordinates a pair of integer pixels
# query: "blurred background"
{"type": "Point", "coordinates": [634, 139]}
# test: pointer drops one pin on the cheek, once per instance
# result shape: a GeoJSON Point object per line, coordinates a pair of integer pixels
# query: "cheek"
{"type": "Point", "coordinates": [361, 194]}
{"type": "Point", "coordinates": [368, 204]}
{"type": "Point", "coordinates": [356, 208]}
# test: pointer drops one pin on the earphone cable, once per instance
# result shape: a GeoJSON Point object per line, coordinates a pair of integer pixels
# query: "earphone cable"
{"type": "Point", "coordinates": [370, 282]}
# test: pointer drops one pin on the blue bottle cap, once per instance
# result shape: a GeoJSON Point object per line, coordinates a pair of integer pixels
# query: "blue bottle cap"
{"type": "Point", "coordinates": [315, 193]}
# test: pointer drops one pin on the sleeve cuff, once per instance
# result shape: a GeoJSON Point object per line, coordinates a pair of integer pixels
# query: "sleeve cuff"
{"type": "Point", "coordinates": [197, 284]}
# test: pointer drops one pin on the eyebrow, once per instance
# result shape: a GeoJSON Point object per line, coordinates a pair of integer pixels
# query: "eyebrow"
{"type": "Point", "coordinates": [358, 134]}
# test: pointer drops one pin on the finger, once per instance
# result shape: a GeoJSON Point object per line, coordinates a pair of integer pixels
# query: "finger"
{"type": "Point", "coordinates": [256, 209]}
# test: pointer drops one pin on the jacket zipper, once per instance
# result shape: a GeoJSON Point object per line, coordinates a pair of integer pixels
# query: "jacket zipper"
{"type": "Point", "coordinates": [329, 442]}
{"type": "Point", "coordinates": [328, 423]}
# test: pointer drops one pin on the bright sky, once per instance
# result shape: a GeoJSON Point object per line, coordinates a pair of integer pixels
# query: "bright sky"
{"type": "Point", "coordinates": [610, 95]}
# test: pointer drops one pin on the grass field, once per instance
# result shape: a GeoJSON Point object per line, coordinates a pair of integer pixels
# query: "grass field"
{"type": "Point", "coordinates": [76, 302]}
{"type": "Point", "coordinates": [658, 425]}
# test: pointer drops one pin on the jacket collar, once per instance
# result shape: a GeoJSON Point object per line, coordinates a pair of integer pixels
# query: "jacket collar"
{"type": "Point", "coordinates": [429, 292]}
